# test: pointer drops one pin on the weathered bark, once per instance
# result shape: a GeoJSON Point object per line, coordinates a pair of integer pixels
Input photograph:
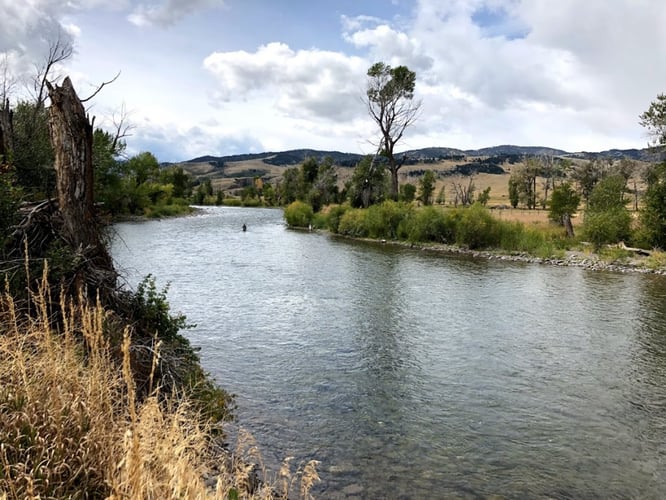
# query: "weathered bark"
{"type": "Point", "coordinates": [6, 134]}
{"type": "Point", "coordinates": [566, 222]}
{"type": "Point", "coordinates": [71, 136]}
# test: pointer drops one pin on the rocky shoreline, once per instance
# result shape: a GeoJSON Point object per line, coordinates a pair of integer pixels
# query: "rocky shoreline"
{"type": "Point", "coordinates": [584, 260]}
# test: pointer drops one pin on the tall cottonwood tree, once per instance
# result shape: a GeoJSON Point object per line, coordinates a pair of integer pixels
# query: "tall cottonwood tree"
{"type": "Point", "coordinates": [391, 104]}
{"type": "Point", "coordinates": [653, 214]}
{"type": "Point", "coordinates": [654, 120]}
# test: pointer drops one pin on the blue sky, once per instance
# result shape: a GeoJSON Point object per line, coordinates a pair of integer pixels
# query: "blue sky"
{"type": "Point", "coordinates": [223, 77]}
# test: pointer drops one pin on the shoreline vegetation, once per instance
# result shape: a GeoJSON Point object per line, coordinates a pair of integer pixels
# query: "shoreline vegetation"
{"type": "Point", "coordinates": [75, 420]}
{"type": "Point", "coordinates": [101, 395]}
{"type": "Point", "coordinates": [472, 231]}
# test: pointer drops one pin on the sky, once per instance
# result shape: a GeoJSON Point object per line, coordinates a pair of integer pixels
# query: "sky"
{"type": "Point", "coordinates": [222, 77]}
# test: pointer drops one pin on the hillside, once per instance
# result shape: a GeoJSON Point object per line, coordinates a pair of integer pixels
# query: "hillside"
{"type": "Point", "coordinates": [234, 172]}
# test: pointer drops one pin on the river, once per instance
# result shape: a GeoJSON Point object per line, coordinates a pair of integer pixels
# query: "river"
{"type": "Point", "coordinates": [412, 375]}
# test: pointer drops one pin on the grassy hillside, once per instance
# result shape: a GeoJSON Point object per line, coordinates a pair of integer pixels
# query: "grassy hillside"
{"type": "Point", "coordinates": [490, 167]}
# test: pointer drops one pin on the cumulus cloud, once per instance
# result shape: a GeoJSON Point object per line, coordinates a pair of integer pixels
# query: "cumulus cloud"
{"type": "Point", "coordinates": [306, 83]}
{"type": "Point", "coordinates": [391, 46]}
{"type": "Point", "coordinates": [169, 12]}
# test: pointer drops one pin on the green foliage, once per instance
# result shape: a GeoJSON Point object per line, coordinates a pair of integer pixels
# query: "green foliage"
{"type": "Point", "coordinates": [109, 172]}
{"type": "Point", "coordinates": [608, 226]}
{"type": "Point", "coordinates": [335, 213]}
{"type": "Point", "coordinates": [309, 170]}
{"type": "Point", "coordinates": [352, 223]}
{"type": "Point", "coordinates": [654, 120]}
{"type": "Point", "coordinates": [607, 220]}
{"type": "Point", "coordinates": [431, 224]}
{"type": "Point", "coordinates": [608, 194]}
{"type": "Point", "coordinates": [143, 167]}
{"type": "Point", "coordinates": [477, 228]}
{"type": "Point", "coordinates": [314, 183]}
{"type": "Point", "coordinates": [249, 193]}
{"type": "Point", "coordinates": [484, 196]}
{"type": "Point", "coordinates": [178, 207]}
{"type": "Point", "coordinates": [390, 93]}
{"type": "Point", "coordinates": [472, 227]}
{"type": "Point", "coordinates": [563, 202]}
{"type": "Point", "coordinates": [427, 187]}
{"type": "Point", "coordinates": [33, 154]}
{"type": "Point", "coordinates": [368, 183]}
{"type": "Point", "coordinates": [441, 196]}
{"type": "Point", "coordinates": [232, 202]}
{"type": "Point", "coordinates": [653, 214]}
{"type": "Point", "coordinates": [383, 220]}
{"type": "Point", "coordinates": [151, 312]}
{"type": "Point", "coordinates": [10, 196]}
{"type": "Point", "coordinates": [586, 176]}
{"type": "Point", "coordinates": [324, 190]}
{"type": "Point", "coordinates": [298, 214]}
{"type": "Point", "coordinates": [319, 220]}
{"type": "Point", "coordinates": [514, 192]}
{"type": "Point", "coordinates": [251, 202]}
{"type": "Point", "coordinates": [290, 189]}
{"type": "Point", "coordinates": [179, 179]}
{"type": "Point", "coordinates": [270, 195]}
{"type": "Point", "coordinates": [522, 183]}
{"type": "Point", "coordinates": [407, 192]}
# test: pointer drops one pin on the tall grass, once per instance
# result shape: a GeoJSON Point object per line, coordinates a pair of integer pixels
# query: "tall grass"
{"type": "Point", "coordinates": [71, 425]}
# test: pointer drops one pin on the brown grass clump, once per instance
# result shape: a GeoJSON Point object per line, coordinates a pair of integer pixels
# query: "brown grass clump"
{"type": "Point", "coordinates": [72, 427]}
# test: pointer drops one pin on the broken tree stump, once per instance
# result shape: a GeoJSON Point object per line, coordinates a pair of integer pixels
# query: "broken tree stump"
{"type": "Point", "coordinates": [71, 134]}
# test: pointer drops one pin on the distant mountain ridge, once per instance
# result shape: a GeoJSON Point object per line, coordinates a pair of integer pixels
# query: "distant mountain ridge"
{"type": "Point", "coordinates": [297, 156]}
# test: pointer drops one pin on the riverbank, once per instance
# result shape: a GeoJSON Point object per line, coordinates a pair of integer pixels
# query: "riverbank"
{"type": "Point", "coordinates": [571, 258]}
{"type": "Point", "coordinates": [74, 423]}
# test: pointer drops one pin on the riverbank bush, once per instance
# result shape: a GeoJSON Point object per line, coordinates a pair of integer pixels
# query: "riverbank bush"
{"type": "Point", "coordinates": [298, 214]}
{"type": "Point", "coordinates": [477, 228]}
{"type": "Point", "coordinates": [385, 219]}
{"type": "Point", "coordinates": [333, 216]}
{"type": "Point", "coordinates": [474, 228]}
{"type": "Point", "coordinates": [430, 224]}
{"type": "Point", "coordinates": [352, 223]}
{"type": "Point", "coordinates": [72, 424]}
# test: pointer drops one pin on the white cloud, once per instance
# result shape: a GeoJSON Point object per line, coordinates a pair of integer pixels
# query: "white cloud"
{"type": "Point", "coordinates": [567, 74]}
{"type": "Point", "coordinates": [169, 12]}
{"type": "Point", "coordinates": [317, 84]}
{"type": "Point", "coordinates": [391, 46]}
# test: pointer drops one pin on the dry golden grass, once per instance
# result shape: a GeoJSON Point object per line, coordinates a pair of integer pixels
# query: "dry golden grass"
{"type": "Point", "coordinates": [71, 427]}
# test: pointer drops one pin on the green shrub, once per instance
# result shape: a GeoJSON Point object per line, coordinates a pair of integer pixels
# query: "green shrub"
{"type": "Point", "coordinates": [251, 202]}
{"type": "Point", "coordinates": [298, 214]}
{"type": "Point", "coordinates": [429, 224]}
{"type": "Point", "coordinates": [353, 223]}
{"type": "Point", "coordinates": [232, 202]}
{"type": "Point", "coordinates": [319, 220]}
{"type": "Point", "coordinates": [159, 211]}
{"type": "Point", "coordinates": [335, 213]}
{"type": "Point", "coordinates": [609, 226]}
{"type": "Point", "coordinates": [477, 228]}
{"type": "Point", "coordinates": [383, 220]}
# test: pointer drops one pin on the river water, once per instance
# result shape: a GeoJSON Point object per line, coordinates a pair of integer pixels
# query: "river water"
{"type": "Point", "coordinates": [412, 375]}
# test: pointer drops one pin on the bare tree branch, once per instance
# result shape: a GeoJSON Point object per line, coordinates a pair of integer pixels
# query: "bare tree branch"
{"type": "Point", "coordinates": [101, 87]}
{"type": "Point", "coordinates": [60, 50]}
{"type": "Point", "coordinates": [122, 128]}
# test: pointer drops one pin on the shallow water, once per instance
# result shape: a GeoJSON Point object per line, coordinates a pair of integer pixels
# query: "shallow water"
{"type": "Point", "coordinates": [410, 375]}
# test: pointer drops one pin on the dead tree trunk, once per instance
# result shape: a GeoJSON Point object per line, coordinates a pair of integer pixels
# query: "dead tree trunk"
{"type": "Point", "coordinates": [566, 222]}
{"type": "Point", "coordinates": [71, 136]}
{"type": "Point", "coordinates": [6, 134]}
